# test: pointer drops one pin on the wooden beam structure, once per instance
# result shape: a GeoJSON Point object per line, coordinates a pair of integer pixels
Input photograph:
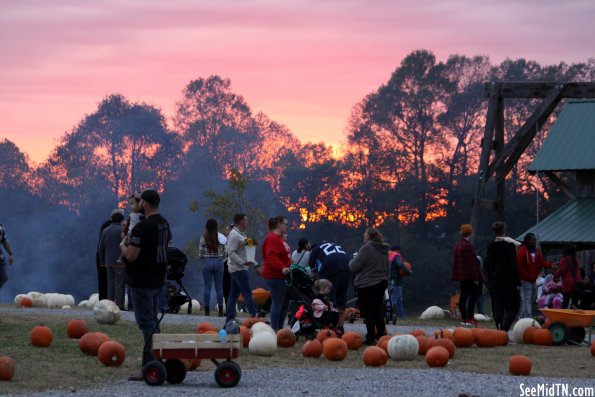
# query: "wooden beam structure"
{"type": "Point", "coordinates": [506, 155]}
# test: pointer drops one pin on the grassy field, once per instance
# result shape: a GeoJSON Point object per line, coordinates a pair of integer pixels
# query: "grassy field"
{"type": "Point", "coordinates": [63, 367]}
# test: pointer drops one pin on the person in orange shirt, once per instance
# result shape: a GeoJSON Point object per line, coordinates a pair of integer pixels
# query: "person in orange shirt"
{"type": "Point", "coordinates": [530, 262]}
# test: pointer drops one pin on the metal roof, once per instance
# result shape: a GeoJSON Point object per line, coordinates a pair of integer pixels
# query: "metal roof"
{"type": "Point", "coordinates": [570, 144]}
{"type": "Point", "coordinates": [572, 223]}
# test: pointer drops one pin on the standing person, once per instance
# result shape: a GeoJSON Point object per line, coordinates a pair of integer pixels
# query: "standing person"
{"type": "Point", "coordinates": [276, 259]}
{"type": "Point", "coordinates": [466, 271]}
{"type": "Point", "coordinates": [134, 217]}
{"type": "Point", "coordinates": [101, 270]}
{"type": "Point", "coordinates": [329, 261]}
{"type": "Point", "coordinates": [3, 261]}
{"type": "Point", "coordinates": [398, 272]}
{"type": "Point", "coordinates": [372, 272]}
{"type": "Point", "coordinates": [212, 253]}
{"type": "Point", "coordinates": [109, 253]}
{"type": "Point", "coordinates": [145, 252]}
{"type": "Point", "coordinates": [530, 262]}
{"type": "Point", "coordinates": [569, 273]}
{"type": "Point", "coordinates": [503, 278]}
{"type": "Point", "coordinates": [226, 277]}
{"type": "Point", "coordinates": [301, 256]}
{"type": "Point", "coordinates": [239, 267]}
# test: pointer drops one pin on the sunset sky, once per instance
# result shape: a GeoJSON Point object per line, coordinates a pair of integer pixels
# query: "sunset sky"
{"type": "Point", "coordinates": [303, 63]}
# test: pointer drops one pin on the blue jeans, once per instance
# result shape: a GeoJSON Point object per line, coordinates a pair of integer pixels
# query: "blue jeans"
{"type": "Point", "coordinates": [279, 302]}
{"type": "Point", "coordinates": [240, 284]}
{"type": "Point", "coordinates": [528, 293]}
{"type": "Point", "coordinates": [3, 273]}
{"type": "Point", "coordinates": [145, 302]}
{"type": "Point", "coordinates": [396, 298]}
{"type": "Point", "coordinates": [213, 270]}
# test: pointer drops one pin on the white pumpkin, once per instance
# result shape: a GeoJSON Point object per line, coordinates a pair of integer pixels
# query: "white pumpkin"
{"type": "Point", "coordinates": [84, 303]}
{"type": "Point", "coordinates": [93, 299]}
{"type": "Point", "coordinates": [432, 312]}
{"type": "Point", "coordinates": [402, 347]}
{"type": "Point", "coordinates": [519, 328]}
{"type": "Point", "coordinates": [262, 327]}
{"type": "Point", "coordinates": [54, 300]}
{"type": "Point", "coordinates": [106, 312]}
{"type": "Point", "coordinates": [263, 344]}
{"type": "Point", "coordinates": [66, 307]}
{"type": "Point", "coordinates": [69, 300]}
{"type": "Point", "coordinates": [18, 298]}
{"type": "Point", "coordinates": [195, 307]}
{"type": "Point", "coordinates": [38, 299]}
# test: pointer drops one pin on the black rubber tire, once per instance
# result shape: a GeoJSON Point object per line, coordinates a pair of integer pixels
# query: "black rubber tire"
{"type": "Point", "coordinates": [176, 371]}
{"type": "Point", "coordinates": [228, 374]}
{"type": "Point", "coordinates": [154, 373]}
{"type": "Point", "coordinates": [560, 333]}
{"type": "Point", "coordinates": [577, 335]}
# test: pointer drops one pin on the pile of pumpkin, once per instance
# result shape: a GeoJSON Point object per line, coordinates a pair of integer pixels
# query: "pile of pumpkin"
{"type": "Point", "coordinates": [109, 352]}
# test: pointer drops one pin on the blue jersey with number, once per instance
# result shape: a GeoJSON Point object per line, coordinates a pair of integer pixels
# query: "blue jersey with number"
{"type": "Point", "coordinates": [327, 259]}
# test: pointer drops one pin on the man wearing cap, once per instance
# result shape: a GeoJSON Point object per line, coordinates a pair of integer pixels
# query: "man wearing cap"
{"type": "Point", "coordinates": [109, 252]}
{"type": "Point", "coordinates": [145, 252]}
{"type": "Point", "coordinates": [3, 261]}
{"type": "Point", "coordinates": [467, 272]}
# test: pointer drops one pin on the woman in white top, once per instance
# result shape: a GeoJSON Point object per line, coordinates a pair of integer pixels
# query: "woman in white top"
{"type": "Point", "coordinates": [301, 256]}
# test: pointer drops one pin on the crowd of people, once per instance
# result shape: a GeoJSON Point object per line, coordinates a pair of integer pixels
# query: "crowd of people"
{"type": "Point", "coordinates": [514, 276]}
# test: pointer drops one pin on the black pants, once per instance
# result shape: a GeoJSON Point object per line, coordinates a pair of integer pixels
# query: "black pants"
{"type": "Point", "coordinates": [371, 304]}
{"type": "Point", "coordinates": [102, 282]}
{"type": "Point", "coordinates": [468, 299]}
{"type": "Point", "coordinates": [506, 302]}
{"type": "Point", "coordinates": [583, 296]}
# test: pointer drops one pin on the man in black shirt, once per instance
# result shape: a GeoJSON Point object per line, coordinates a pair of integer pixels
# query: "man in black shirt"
{"type": "Point", "coordinates": [145, 252]}
{"type": "Point", "coordinates": [329, 261]}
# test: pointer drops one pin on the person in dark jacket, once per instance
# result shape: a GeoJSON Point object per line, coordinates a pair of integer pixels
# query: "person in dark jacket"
{"type": "Point", "coordinates": [372, 270]}
{"type": "Point", "coordinates": [530, 262]}
{"type": "Point", "coordinates": [503, 278]}
{"type": "Point", "coordinates": [467, 272]}
{"type": "Point", "coordinates": [569, 272]}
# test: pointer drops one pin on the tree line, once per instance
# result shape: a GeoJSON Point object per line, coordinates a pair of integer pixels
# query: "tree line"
{"type": "Point", "coordinates": [407, 166]}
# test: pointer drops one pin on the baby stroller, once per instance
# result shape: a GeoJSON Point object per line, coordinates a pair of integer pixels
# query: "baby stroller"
{"type": "Point", "coordinates": [390, 313]}
{"type": "Point", "coordinates": [299, 288]}
{"type": "Point", "coordinates": [176, 294]}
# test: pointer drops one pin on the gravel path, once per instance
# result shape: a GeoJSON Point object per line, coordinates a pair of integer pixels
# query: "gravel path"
{"type": "Point", "coordinates": [321, 381]}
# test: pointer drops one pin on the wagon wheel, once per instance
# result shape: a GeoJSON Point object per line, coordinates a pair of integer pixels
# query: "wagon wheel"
{"type": "Point", "coordinates": [228, 374]}
{"type": "Point", "coordinates": [577, 334]}
{"type": "Point", "coordinates": [176, 371]}
{"type": "Point", "coordinates": [154, 373]}
{"type": "Point", "coordinates": [560, 333]}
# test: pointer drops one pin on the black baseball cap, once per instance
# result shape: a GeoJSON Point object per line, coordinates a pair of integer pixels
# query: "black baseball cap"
{"type": "Point", "coordinates": [151, 196]}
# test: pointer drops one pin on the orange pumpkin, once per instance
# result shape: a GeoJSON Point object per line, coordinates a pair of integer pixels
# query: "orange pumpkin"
{"type": "Point", "coordinates": [519, 365]}
{"type": "Point", "coordinates": [6, 367]}
{"type": "Point", "coordinates": [334, 349]}
{"type": "Point", "coordinates": [353, 339]}
{"type": "Point", "coordinates": [593, 348]}
{"type": "Point", "coordinates": [111, 353]}
{"type": "Point", "coordinates": [423, 345]}
{"type": "Point", "coordinates": [349, 311]}
{"type": "Point", "coordinates": [501, 338]}
{"type": "Point", "coordinates": [486, 338]}
{"type": "Point", "coordinates": [250, 321]}
{"type": "Point", "coordinates": [77, 328]}
{"type": "Point", "coordinates": [324, 334]}
{"type": "Point", "coordinates": [285, 338]}
{"type": "Point", "coordinates": [463, 337]}
{"type": "Point", "coordinates": [445, 343]}
{"type": "Point", "coordinates": [418, 332]}
{"type": "Point", "coordinates": [374, 356]}
{"type": "Point", "coordinates": [312, 348]}
{"type": "Point", "coordinates": [528, 334]}
{"type": "Point", "coordinates": [205, 326]}
{"type": "Point", "coordinates": [260, 296]}
{"type": "Point", "coordinates": [474, 331]}
{"type": "Point", "coordinates": [41, 336]}
{"type": "Point", "coordinates": [444, 333]}
{"type": "Point", "coordinates": [437, 356]}
{"type": "Point", "coordinates": [91, 342]}
{"type": "Point", "coordinates": [547, 323]}
{"type": "Point", "coordinates": [245, 332]}
{"type": "Point", "coordinates": [543, 337]}
{"type": "Point", "coordinates": [26, 302]}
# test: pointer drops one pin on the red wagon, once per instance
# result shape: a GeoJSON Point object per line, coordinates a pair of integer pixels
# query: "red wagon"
{"type": "Point", "coordinates": [169, 349]}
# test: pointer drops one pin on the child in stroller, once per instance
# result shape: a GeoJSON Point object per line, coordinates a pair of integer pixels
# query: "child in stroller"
{"type": "Point", "coordinates": [315, 311]}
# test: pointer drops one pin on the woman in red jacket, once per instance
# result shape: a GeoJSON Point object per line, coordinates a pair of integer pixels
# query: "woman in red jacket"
{"type": "Point", "coordinates": [276, 259]}
{"type": "Point", "coordinates": [530, 263]}
{"type": "Point", "coordinates": [569, 271]}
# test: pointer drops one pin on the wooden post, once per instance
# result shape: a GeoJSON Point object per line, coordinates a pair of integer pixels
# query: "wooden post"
{"type": "Point", "coordinates": [500, 176]}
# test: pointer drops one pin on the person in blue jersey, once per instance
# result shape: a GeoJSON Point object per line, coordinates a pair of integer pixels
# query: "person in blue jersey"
{"type": "Point", "coordinates": [330, 261]}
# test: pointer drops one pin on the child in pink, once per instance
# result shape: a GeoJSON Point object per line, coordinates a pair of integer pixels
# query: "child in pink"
{"type": "Point", "coordinates": [551, 296]}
